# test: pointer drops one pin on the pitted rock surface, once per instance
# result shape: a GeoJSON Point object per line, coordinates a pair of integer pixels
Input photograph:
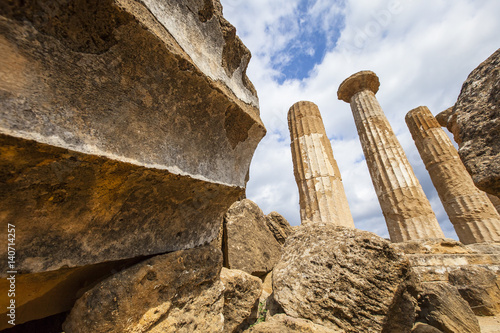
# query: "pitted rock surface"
{"type": "Point", "coordinates": [344, 278]}
{"type": "Point", "coordinates": [475, 124]}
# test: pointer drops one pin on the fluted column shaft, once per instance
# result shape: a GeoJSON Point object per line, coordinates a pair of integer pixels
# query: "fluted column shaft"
{"type": "Point", "coordinates": [407, 211]}
{"type": "Point", "coordinates": [322, 196]}
{"type": "Point", "coordinates": [470, 211]}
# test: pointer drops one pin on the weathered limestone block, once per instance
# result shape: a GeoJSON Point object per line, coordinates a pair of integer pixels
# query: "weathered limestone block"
{"type": "Point", "coordinates": [473, 269]}
{"type": "Point", "coordinates": [407, 211]}
{"type": "Point", "coordinates": [241, 299]}
{"type": "Point", "coordinates": [126, 129]}
{"type": "Point", "coordinates": [479, 286]}
{"type": "Point", "coordinates": [344, 278]}
{"type": "Point", "coordinates": [321, 193]}
{"type": "Point", "coordinates": [281, 323]}
{"type": "Point", "coordinates": [475, 124]}
{"type": "Point", "coordinates": [179, 291]}
{"type": "Point", "coordinates": [442, 307]}
{"type": "Point", "coordinates": [470, 211]}
{"type": "Point", "coordinates": [249, 245]}
{"type": "Point", "coordinates": [433, 246]}
{"type": "Point", "coordinates": [279, 226]}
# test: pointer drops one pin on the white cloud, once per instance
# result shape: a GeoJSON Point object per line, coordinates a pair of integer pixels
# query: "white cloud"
{"type": "Point", "coordinates": [422, 52]}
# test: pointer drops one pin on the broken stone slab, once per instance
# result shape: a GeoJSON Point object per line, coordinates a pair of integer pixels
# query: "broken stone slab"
{"type": "Point", "coordinates": [344, 278]}
{"type": "Point", "coordinates": [442, 307]}
{"type": "Point", "coordinates": [249, 245]}
{"type": "Point", "coordinates": [167, 293]}
{"type": "Point", "coordinates": [118, 138]}
{"type": "Point", "coordinates": [241, 299]}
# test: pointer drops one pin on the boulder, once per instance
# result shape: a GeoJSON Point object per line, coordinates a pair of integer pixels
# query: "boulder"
{"type": "Point", "coordinates": [175, 292]}
{"type": "Point", "coordinates": [475, 124]}
{"type": "Point", "coordinates": [249, 245]}
{"type": "Point", "coordinates": [241, 299]}
{"type": "Point", "coordinates": [479, 286]}
{"type": "Point", "coordinates": [442, 307]}
{"type": "Point", "coordinates": [279, 226]}
{"type": "Point", "coordinates": [281, 323]}
{"type": "Point", "coordinates": [344, 278]}
{"type": "Point", "coordinates": [126, 130]}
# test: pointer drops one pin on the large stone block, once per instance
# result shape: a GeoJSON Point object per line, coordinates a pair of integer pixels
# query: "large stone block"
{"type": "Point", "coordinates": [249, 244]}
{"type": "Point", "coordinates": [175, 292]}
{"type": "Point", "coordinates": [442, 307]}
{"type": "Point", "coordinates": [345, 279]}
{"type": "Point", "coordinates": [475, 124]}
{"type": "Point", "coordinates": [241, 299]}
{"type": "Point", "coordinates": [126, 130]}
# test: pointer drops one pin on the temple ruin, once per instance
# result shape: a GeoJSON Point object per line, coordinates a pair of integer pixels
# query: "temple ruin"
{"type": "Point", "coordinates": [407, 211]}
{"type": "Point", "coordinates": [322, 195]}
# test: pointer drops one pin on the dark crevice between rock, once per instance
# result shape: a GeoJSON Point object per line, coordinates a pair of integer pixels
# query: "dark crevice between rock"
{"type": "Point", "coordinates": [225, 254]}
{"type": "Point", "coordinates": [52, 324]}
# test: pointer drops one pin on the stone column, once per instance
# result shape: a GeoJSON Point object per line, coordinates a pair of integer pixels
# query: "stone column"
{"type": "Point", "coordinates": [470, 210]}
{"type": "Point", "coordinates": [321, 193]}
{"type": "Point", "coordinates": [407, 211]}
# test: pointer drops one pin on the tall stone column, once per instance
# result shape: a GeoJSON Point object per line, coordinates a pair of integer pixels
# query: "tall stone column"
{"type": "Point", "coordinates": [407, 211]}
{"type": "Point", "coordinates": [470, 210]}
{"type": "Point", "coordinates": [321, 193]}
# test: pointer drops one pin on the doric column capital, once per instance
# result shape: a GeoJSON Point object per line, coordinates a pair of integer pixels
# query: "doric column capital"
{"type": "Point", "coordinates": [364, 80]}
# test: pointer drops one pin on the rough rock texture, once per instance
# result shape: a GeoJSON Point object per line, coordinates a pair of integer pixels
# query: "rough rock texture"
{"type": "Point", "coordinates": [475, 124]}
{"type": "Point", "coordinates": [407, 211]}
{"type": "Point", "coordinates": [249, 245]}
{"type": "Point", "coordinates": [432, 246]}
{"type": "Point", "coordinates": [442, 307]}
{"type": "Point", "coordinates": [473, 269]}
{"type": "Point", "coordinates": [241, 299]}
{"type": "Point", "coordinates": [282, 323]}
{"type": "Point", "coordinates": [470, 210]}
{"type": "Point", "coordinates": [322, 195]}
{"type": "Point", "coordinates": [279, 226]}
{"type": "Point", "coordinates": [344, 278]}
{"type": "Point", "coordinates": [175, 292]}
{"type": "Point", "coordinates": [479, 286]}
{"type": "Point", "coordinates": [126, 129]}
{"type": "Point", "coordinates": [495, 201]}
{"type": "Point", "coordinates": [267, 286]}
{"type": "Point", "coordinates": [425, 328]}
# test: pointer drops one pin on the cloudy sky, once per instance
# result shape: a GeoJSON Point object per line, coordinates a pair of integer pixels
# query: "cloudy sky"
{"type": "Point", "coordinates": [422, 51]}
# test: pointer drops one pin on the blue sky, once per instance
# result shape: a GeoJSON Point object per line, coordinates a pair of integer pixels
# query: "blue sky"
{"type": "Point", "coordinates": [422, 52]}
